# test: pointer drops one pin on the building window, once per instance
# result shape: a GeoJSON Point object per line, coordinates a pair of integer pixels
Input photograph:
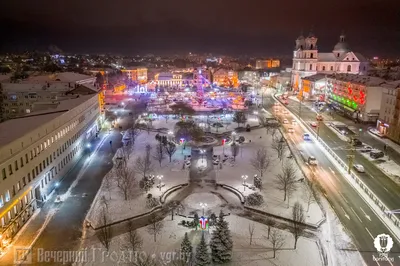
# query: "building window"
{"type": "Point", "coordinates": [349, 68]}
{"type": "Point", "coordinates": [22, 162]}
{"type": "Point", "coordinates": [310, 66]}
{"type": "Point", "coordinates": [16, 165]}
{"type": "Point", "coordinates": [3, 173]}
{"type": "Point", "coordinates": [312, 54]}
{"type": "Point", "coordinates": [10, 169]}
{"type": "Point", "coordinates": [7, 195]}
{"type": "Point", "coordinates": [26, 158]}
{"type": "Point", "coordinates": [323, 68]}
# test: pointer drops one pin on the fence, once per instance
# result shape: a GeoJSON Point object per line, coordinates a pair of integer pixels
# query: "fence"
{"type": "Point", "coordinates": [344, 166]}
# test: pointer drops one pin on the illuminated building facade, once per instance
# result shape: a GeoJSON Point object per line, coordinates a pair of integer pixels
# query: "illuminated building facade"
{"type": "Point", "coordinates": [41, 150]}
{"type": "Point", "coordinates": [136, 74]}
{"type": "Point", "coordinates": [267, 63]}
{"type": "Point", "coordinates": [356, 96]}
{"type": "Point", "coordinates": [308, 61]}
{"type": "Point", "coordinates": [388, 123]}
{"type": "Point", "coordinates": [313, 87]}
{"type": "Point", "coordinates": [226, 78]}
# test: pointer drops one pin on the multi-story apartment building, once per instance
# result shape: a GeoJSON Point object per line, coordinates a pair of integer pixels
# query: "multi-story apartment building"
{"type": "Point", "coordinates": [308, 60]}
{"type": "Point", "coordinates": [388, 123]}
{"type": "Point", "coordinates": [356, 96]}
{"type": "Point", "coordinates": [267, 63]}
{"type": "Point", "coordinates": [36, 151]}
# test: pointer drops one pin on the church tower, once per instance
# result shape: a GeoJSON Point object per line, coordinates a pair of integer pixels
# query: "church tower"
{"type": "Point", "coordinates": [341, 47]}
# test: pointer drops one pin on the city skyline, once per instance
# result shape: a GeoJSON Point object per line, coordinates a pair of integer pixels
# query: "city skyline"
{"type": "Point", "coordinates": [165, 28]}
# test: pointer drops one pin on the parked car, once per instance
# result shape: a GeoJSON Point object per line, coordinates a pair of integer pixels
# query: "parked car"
{"type": "Point", "coordinates": [285, 121]}
{"type": "Point", "coordinates": [187, 164]}
{"type": "Point", "coordinates": [376, 154]}
{"type": "Point", "coordinates": [314, 124]}
{"type": "Point", "coordinates": [356, 142]}
{"type": "Point", "coordinates": [306, 136]}
{"type": "Point", "coordinates": [319, 117]}
{"type": "Point", "coordinates": [290, 130]}
{"type": "Point", "coordinates": [359, 168]}
{"type": "Point", "coordinates": [294, 122]}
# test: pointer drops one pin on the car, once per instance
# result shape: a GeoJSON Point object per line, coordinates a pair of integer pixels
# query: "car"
{"type": "Point", "coordinates": [276, 104]}
{"type": "Point", "coordinates": [359, 168]}
{"type": "Point", "coordinates": [356, 142]}
{"type": "Point", "coordinates": [215, 157]}
{"type": "Point", "coordinates": [285, 112]}
{"type": "Point", "coordinates": [187, 164]}
{"type": "Point", "coordinates": [312, 160]}
{"type": "Point", "coordinates": [376, 154]}
{"type": "Point", "coordinates": [294, 122]}
{"type": "Point", "coordinates": [290, 130]}
{"type": "Point", "coordinates": [286, 102]}
{"type": "Point", "coordinates": [306, 136]}
{"type": "Point", "coordinates": [285, 121]}
{"type": "Point", "coordinates": [216, 162]}
{"type": "Point", "coordinates": [314, 124]}
{"type": "Point", "coordinates": [319, 117]}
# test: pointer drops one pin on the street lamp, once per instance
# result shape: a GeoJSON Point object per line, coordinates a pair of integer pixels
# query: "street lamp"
{"type": "Point", "coordinates": [57, 185]}
{"type": "Point", "coordinates": [202, 155]}
{"type": "Point", "coordinates": [203, 205]}
{"type": "Point", "coordinates": [234, 136]}
{"type": "Point", "coordinates": [244, 177]}
{"type": "Point", "coordinates": [159, 177]}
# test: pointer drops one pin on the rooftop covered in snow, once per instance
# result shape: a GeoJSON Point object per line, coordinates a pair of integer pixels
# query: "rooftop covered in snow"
{"type": "Point", "coordinates": [13, 129]}
{"type": "Point", "coordinates": [357, 79]}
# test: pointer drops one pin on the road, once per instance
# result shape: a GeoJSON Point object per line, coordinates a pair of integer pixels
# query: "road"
{"type": "Point", "coordinates": [357, 217]}
{"type": "Point", "coordinates": [383, 187]}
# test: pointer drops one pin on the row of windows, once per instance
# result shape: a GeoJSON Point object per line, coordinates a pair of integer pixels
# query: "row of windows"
{"type": "Point", "coordinates": [17, 208]}
{"type": "Point", "coordinates": [36, 151]}
{"type": "Point", "coordinates": [37, 170]}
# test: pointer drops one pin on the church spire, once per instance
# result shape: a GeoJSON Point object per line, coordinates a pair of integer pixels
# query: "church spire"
{"type": "Point", "coordinates": [342, 37]}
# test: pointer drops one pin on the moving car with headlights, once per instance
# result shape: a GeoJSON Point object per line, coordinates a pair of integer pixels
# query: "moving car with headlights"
{"type": "Point", "coordinates": [359, 168]}
{"type": "Point", "coordinates": [312, 160]}
{"type": "Point", "coordinates": [290, 130]}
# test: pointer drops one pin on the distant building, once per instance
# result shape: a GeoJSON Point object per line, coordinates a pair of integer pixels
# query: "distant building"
{"type": "Point", "coordinates": [308, 61]}
{"type": "Point", "coordinates": [42, 92]}
{"type": "Point", "coordinates": [356, 96]}
{"type": "Point", "coordinates": [137, 74]}
{"type": "Point", "coordinates": [227, 78]}
{"type": "Point", "coordinates": [267, 63]}
{"type": "Point", "coordinates": [171, 79]}
{"type": "Point", "coordinates": [388, 123]}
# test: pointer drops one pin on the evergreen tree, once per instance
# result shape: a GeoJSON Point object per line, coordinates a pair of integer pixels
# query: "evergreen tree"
{"type": "Point", "coordinates": [221, 241]}
{"type": "Point", "coordinates": [202, 256]}
{"type": "Point", "coordinates": [186, 249]}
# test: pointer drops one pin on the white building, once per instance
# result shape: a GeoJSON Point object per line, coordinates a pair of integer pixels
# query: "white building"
{"type": "Point", "coordinates": [41, 92]}
{"type": "Point", "coordinates": [36, 152]}
{"type": "Point", "coordinates": [388, 120]}
{"type": "Point", "coordinates": [307, 60]}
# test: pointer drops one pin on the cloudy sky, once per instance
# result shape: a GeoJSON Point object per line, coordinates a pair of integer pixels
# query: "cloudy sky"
{"type": "Point", "coordinates": [234, 27]}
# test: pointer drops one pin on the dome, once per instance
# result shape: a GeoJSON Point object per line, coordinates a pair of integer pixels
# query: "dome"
{"type": "Point", "coordinates": [301, 37]}
{"type": "Point", "coordinates": [341, 46]}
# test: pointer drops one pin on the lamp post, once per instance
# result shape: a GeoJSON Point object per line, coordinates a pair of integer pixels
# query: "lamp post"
{"type": "Point", "coordinates": [159, 177]}
{"type": "Point", "coordinates": [57, 185]}
{"type": "Point", "coordinates": [223, 147]}
{"type": "Point", "coordinates": [244, 177]}
{"type": "Point", "coordinates": [203, 206]}
{"type": "Point", "coordinates": [202, 155]}
{"type": "Point", "coordinates": [233, 136]}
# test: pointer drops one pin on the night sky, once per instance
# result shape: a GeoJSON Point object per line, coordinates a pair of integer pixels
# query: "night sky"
{"type": "Point", "coordinates": [248, 27]}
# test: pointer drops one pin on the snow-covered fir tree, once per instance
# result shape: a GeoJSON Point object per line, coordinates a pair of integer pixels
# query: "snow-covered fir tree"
{"type": "Point", "coordinates": [186, 249]}
{"type": "Point", "coordinates": [202, 256]}
{"type": "Point", "coordinates": [221, 241]}
{"type": "Point", "coordinates": [147, 183]}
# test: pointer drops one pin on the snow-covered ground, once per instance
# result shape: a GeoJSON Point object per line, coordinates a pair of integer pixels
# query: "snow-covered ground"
{"type": "Point", "coordinates": [389, 167]}
{"type": "Point", "coordinates": [172, 172]}
{"type": "Point", "coordinates": [231, 174]}
{"type": "Point", "coordinates": [168, 244]}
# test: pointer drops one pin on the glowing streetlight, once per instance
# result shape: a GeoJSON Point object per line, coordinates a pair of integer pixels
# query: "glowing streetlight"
{"type": "Point", "coordinates": [244, 177]}
{"type": "Point", "coordinates": [203, 206]}
{"type": "Point", "coordinates": [160, 177]}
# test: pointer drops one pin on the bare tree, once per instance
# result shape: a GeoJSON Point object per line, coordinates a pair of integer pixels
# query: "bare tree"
{"type": "Point", "coordinates": [134, 132]}
{"type": "Point", "coordinates": [298, 220]}
{"type": "Point", "coordinates": [175, 206]}
{"type": "Point", "coordinates": [277, 240]}
{"type": "Point", "coordinates": [125, 179]}
{"type": "Point", "coordinates": [108, 184]}
{"type": "Point", "coordinates": [170, 149]}
{"type": "Point", "coordinates": [145, 260]}
{"type": "Point", "coordinates": [251, 232]}
{"type": "Point", "coordinates": [104, 233]}
{"type": "Point", "coordinates": [280, 146]}
{"type": "Point", "coordinates": [273, 131]}
{"type": "Point", "coordinates": [159, 153]}
{"type": "Point", "coordinates": [310, 193]}
{"type": "Point", "coordinates": [270, 223]}
{"type": "Point", "coordinates": [261, 161]}
{"type": "Point", "coordinates": [156, 226]}
{"type": "Point", "coordinates": [132, 238]}
{"type": "Point", "coordinates": [234, 150]}
{"type": "Point", "coordinates": [127, 150]}
{"type": "Point", "coordinates": [286, 181]}
{"type": "Point", "coordinates": [143, 164]}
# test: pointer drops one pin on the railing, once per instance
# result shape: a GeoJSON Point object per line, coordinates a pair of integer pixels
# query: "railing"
{"type": "Point", "coordinates": [344, 166]}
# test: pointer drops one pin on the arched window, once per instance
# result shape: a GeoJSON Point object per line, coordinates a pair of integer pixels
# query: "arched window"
{"type": "Point", "coordinates": [323, 68]}
{"type": "Point", "coordinates": [311, 55]}
{"type": "Point", "coordinates": [349, 68]}
{"type": "Point", "coordinates": [311, 47]}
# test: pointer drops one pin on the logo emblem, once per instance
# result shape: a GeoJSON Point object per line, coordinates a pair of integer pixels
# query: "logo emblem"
{"type": "Point", "coordinates": [22, 255]}
{"type": "Point", "coordinates": [383, 244]}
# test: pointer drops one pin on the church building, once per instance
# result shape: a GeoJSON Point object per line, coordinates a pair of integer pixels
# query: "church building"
{"type": "Point", "coordinates": [308, 61]}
